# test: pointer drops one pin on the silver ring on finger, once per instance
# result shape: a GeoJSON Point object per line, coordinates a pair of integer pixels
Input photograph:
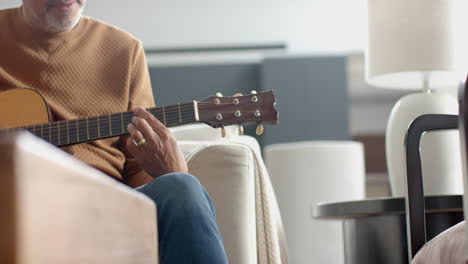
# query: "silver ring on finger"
{"type": "Point", "coordinates": [139, 143]}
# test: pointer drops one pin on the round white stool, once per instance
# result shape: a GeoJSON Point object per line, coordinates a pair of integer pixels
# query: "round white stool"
{"type": "Point", "coordinates": [304, 174]}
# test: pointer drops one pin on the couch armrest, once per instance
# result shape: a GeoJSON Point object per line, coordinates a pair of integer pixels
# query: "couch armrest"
{"type": "Point", "coordinates": [68, 212]}
{"type": "Point", "coordinates": [226, 170]}
{"type": "Point", "coordinates": [447, 247]}
{"type": "Point", "coordinates": [259, 238]}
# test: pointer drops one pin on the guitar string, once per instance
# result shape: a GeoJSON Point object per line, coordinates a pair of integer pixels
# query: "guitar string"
{"type": "Point", "coordinates": [77, 122]}
{"type": "Point", "coordinates": [60, 137]}
{"type": "Point", "coordinates": [171, 115]}
{"type": "Point", "coordinates": [80, 128]}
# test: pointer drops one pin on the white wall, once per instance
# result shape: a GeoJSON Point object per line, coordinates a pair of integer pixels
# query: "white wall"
{"type": "Point", "coordinates": [317, 26]}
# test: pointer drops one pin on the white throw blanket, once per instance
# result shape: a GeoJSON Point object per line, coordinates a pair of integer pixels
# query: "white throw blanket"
{"type": "Point", "coordinates": [271, 240]}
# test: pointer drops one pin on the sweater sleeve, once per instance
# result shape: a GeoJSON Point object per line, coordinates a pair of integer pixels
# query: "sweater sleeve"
{"type": "Point", "coordinates": [140, 95]}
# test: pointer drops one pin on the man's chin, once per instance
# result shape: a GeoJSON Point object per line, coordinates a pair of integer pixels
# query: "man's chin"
{"type": "Point", "coordinates": [55, 25]}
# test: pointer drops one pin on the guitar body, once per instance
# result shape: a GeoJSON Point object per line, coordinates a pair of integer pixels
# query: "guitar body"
{"type": "Point", "coordinates": [22, 107]}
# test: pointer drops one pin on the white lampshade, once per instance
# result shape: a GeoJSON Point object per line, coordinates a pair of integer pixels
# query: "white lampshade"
{"type": "Point", "coordinates": [408, 39]}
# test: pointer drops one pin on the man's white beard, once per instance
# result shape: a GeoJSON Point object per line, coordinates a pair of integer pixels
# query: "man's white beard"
{"type": "Point", "coordinates": [53, 24]}
{"type": "Point", "coordinates": [50, 23]}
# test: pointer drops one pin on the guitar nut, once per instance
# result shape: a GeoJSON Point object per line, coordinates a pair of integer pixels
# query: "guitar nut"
{"type": "Point", "coordinates": [257, 113]}
{"type": "Point", "coordinates": [219, 117]}
{"type": "Point", "coordinates": [238, 113]}
{"type": "Point", "coordinates": [254, 99]}
{"type": "Point", "coordinates": [235, 101]}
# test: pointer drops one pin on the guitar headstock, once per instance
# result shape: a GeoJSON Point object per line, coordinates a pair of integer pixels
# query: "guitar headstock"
{"type": "Point", "coordinates": [255, 108]}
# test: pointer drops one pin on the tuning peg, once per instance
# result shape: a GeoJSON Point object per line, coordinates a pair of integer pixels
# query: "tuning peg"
{"type": "Point", "coordinates": [237, 95]}
{"type": "Point", "coordinates": [223, 132]}
{"type": "Point", "coordinates": [259, 130]}
{"type": "Point", "coordinates": [241, 130]}
{"type": "Point", "coordinates": [219, 95]}
{"type": "Point", "coordinates": [253, 92]}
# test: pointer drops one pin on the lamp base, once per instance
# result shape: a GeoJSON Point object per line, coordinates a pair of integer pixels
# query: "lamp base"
{"type": "Point", "coordinates": [440, 151]}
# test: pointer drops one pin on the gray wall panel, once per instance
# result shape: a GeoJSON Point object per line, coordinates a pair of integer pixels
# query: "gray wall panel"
{"type": "Point", "coordinates": [311, 92]}
{"type": "Point", "coordinates": [173, 84]}
{"type": "Point", "coordinates": [312, 98]}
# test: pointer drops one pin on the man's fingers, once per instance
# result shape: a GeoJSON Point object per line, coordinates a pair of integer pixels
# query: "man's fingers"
{"type": "Point", "coordinates": [138, 139]}
{"type": "Point", "coordinates": [146, 130]}
{"type": "Point", "coordinates": [134, 132]}
{"type": "Point", "coordinates": [154, 123]}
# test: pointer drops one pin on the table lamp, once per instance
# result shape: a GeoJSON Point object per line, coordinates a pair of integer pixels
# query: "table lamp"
{"type": "Point", "coordinates": [419, 45]}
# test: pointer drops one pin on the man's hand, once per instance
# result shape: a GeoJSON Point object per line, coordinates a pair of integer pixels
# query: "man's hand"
{"type": "Point", "coordinates": [153, 145]}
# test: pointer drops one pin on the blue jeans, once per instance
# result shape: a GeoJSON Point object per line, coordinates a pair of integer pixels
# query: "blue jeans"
{"type": "Point", "coordinates": [187, 227]}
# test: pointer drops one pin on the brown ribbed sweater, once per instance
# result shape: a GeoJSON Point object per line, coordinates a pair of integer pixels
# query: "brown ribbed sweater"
{"type": "Point", "coordinates": [93, 70]}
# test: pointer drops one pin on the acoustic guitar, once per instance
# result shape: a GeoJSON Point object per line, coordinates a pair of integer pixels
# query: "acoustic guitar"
{"type": "Point", "coordinates": [26, 109]}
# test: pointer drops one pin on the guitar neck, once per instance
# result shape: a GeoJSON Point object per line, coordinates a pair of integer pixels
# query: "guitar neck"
{"type": "Point", "coordinates": [75, 131]}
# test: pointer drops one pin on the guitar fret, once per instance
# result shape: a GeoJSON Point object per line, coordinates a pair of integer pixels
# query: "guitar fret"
{"type": "Point", "coordinates": [87, 128]}
{"type": "Point", "coordinates": [180, 115]}
{"type": "Point", "coordinates": [164, 115]}
{"type": "Point", "coordinates": [72, 131]}
{"type": "Point", "coordinates": [116, 126]}
{"type": "Point", "coordinates": [98, 128]}
{"type": "Point", "coordinates": [68, 133]}
{"type": "Point", "coordinates": [189, 113]}
{"type": "Point", "coordinates": [92, 133]}
{"type": "Point", "coordinates": [110, 126]}
{"type": "Point", "coordinates": [127, 119]}
{"type": "Point", "coordinates": [121, 120]}
{"type": "Point", "coordinates": [50, 141]}
{"type": "Point", "coordinates": [82, 125]}
{"type": "Point", "coordinates": [78, 131]}
{"type": "Point", "coordinates": [104, 127]}
{"type": "Point", "coordinates": [58, 134]}
{"type": "Point", "coordinates": [54, 139]}
{"type": "Point", "coordinates": [172, 116]}
{"type": "Point", "coordinates": [34, 129]}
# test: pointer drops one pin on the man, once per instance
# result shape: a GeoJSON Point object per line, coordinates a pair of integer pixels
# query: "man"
{"type": "Point", "coordinates": [86, 68]}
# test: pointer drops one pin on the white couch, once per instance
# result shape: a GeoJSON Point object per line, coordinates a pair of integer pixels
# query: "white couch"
{"type": "Point", "coordinates": [59, 210]}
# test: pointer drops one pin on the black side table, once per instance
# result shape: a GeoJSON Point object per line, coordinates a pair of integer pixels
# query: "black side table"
{"type": "Point", "coordinates": [375, 229]}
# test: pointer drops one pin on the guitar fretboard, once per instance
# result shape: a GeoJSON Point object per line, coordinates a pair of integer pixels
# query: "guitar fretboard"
{"type": "Point", "coordinates": [69, 132]}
